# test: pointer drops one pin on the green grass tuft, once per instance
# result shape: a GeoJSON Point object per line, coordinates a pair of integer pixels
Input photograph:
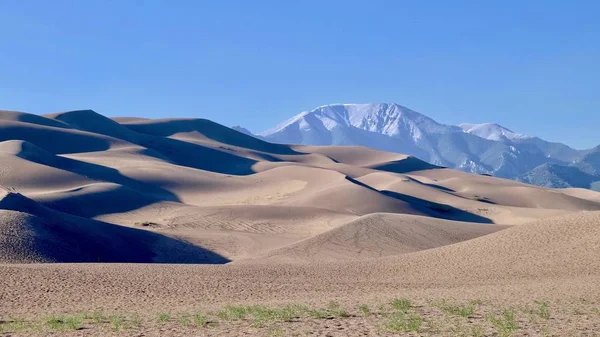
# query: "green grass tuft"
{"type": "Point", "coordinates": [543, 310]}
{"type": "Point", "coordinates": [506, 324]}
{"type": "Point", "coordinates": [74, 322]}
{"type": "Point", "coordinates": [457, 310]}
{"type": "Point", "coordinates": [18, 325]}
{"type": "Point", "coordinates": [200, 319]}
{"type": "Point", "coordinates": [164, 317]}
{"type": "Point", "coordinates": [336, 310]}
{"type": "Point", "coordinates": [64, 323]}
{"type": "Point", "coordinates": [401, 304]}
{"type": "Point", "coordinates": [98, 317]}
{"type": "Point", "coordinates": [401, 321]}
{"type": "Point", "coordinates": [233, 313]}
{"type": "Point", "coordinates": [55, 323]}
{"type": "Point", "coordinates": [364, 309]}
{"type": "Point", "coordinates": [116, 322]}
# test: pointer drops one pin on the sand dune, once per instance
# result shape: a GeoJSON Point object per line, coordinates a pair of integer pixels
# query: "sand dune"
{"type": "Point", "coordinates": [23, 117]}
{"type": "Point", "coordinates": [175, 172]}
{"type": "Point", "coordinates": [301, 223]}
{"type": "Point", "coordinates": [381, 234]}
{"type": "Point", "coordinates": [559, 246]}
{"type": "Point", "coordinates": [34, 233]}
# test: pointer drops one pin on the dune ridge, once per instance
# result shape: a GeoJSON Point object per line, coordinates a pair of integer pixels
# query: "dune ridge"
{"type": "Point", "coordinates": [133, 171]}
{"type": "Point", "coordinates": [234, 218]}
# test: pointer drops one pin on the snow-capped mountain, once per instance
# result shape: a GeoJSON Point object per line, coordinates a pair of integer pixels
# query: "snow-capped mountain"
{"type": "Point", "coordinates": [492, 131]}
{"type": "Point", "coordinates": [477, 148]}
{"type": "Point", "coordinates": [386, 119]}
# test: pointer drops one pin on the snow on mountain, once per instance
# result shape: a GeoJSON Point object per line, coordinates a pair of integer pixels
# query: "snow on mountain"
{"type": "Point", "coordinates": [386, 119]}
{"type": "Point", "coordinates": [477, 148]}
{"type": "Point", "coordinates": [492, 131]}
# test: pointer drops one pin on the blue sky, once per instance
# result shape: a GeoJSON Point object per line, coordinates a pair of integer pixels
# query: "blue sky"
{"type": "Point", "coordinates": [532, 66]}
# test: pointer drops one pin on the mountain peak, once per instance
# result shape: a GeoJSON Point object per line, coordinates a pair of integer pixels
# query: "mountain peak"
{"type": "Point", "coordinates": [390, 119]}
{"type": "Point", "coordinates": [477, 148]}
{"type": "Point", "coordinates": [492, 131]}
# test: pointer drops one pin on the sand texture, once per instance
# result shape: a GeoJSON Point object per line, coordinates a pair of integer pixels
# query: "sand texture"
{"type": "Point", "coordinates": [134, 226]}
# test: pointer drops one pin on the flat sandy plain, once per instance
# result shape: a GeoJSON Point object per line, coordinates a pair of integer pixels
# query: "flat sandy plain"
{"type": "Point", "coordinates": [183, 227]}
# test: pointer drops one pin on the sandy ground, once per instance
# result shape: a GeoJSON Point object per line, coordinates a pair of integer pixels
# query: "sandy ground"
{"type": "Point", "coordinates": [150, 222]}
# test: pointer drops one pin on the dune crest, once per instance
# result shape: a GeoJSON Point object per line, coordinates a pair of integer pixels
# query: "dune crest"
{"type": "Point", "coordinates": [152, 216]}
{"type": "Point", "coordinates": [195, 180]}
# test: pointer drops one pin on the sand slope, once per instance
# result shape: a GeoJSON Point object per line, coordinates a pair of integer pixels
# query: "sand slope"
{"type": "Point", "coordinates": [381, 234]}
{"type": "Point", "coordinates": [243, 198]}
{"type": "Point", "coordinates": [242, 221]}
{"type": "Point", "coordinates": [33, 233]}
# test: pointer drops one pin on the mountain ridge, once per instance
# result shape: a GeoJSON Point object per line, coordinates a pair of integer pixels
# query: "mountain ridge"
{"type": "Point", "coordinates": [486, 148]}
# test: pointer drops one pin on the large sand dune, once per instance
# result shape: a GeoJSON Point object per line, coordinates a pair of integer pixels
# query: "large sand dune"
{"type": "Point", "coordinates": [381, 234]}
{"type": "Point", "coordinates": [191, 173]}
{"type": "Point", "coordinates": [297, 222]}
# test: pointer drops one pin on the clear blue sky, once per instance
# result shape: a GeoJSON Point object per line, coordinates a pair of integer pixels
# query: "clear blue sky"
{"type": "Point", "coordinates": [532, 66]}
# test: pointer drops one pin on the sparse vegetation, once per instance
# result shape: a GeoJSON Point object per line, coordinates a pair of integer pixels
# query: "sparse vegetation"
{"type": "Point", "coordinates": [116, 322]}
{"type": "Point", "coordinates": [402, 318]}
{"type": "Point", "coordinates": [233, 312]}
{"type": "Point", "coordinates": [74, 322]}
{"type": "Point", "coordinates": [63, 323]}
{"type": "Point", "coordinates": [401, 321]}
{"type": "Point", "coordinates": [317, 313]}
{"type": "Point", "coordinates": [505, 324]}
{"type": "Point", "coordinates": [276, 331]}
{"type": "Point", "coordinates": [336, 310]}
{"type": "Point", "coordinates": [54, 323]}
{"type": "Point", "coordinates": [164, 317]}
{"type": "Point", "coordinates": [200, 319]}
{"type": "Point", "coordinates": [98, 317]}
{"type": "Point", "coordinates": [263, 315]}
{"type": "Point", "coordinates": [184, 320]}
{"type": "Point", "coordinates": [457, 310]}
{"type": "Point", "coordinates": [364, 310]}
{"type": "Point", "coordinates": [543, 310]}
{"type": "Point", "coordinates": [19, 325]}
{"type": "Point", "coordinates": [401, 304]}
{"type": "Point", "coordinates": [397, 316]}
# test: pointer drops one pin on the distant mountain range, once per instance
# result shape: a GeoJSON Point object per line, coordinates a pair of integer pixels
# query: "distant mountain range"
{"type": "Point", "coordinates": [477, 148]}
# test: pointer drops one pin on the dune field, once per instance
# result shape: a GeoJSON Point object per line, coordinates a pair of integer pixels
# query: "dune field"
{"type": "Point", "coordinates": [184, 227]}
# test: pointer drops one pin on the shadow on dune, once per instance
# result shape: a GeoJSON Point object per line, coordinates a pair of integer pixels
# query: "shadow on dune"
{"type": "Point", "coordinates": [127, 195]}
{"type": "Point", "coordinates": [439, 187]}
{"type": "Point", "coordinates": [46, 235]}
{"type": "Point", "coordinates": [98, 199]}
{"type": "Point", "coordinates": [200, 157]}
{"type": "Point", "coordinates": [409, 164]}
{"type": "Point", "coordinates": [87, 131]}
{"type": "Point", "coordinates": [95, 172]}
{"type": "Point", "coordinates": [210, 130]}
{"type": "Point", "coordinates": [430, 208]}
{"type": "Point", "coordinates": [154, 136]}
{"type": "Point", "coordinates": [53, 139]}
{"type": "Point", "coordinates": [437, 210]}
{"type": "Point", "coordinates": [31, 119]}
